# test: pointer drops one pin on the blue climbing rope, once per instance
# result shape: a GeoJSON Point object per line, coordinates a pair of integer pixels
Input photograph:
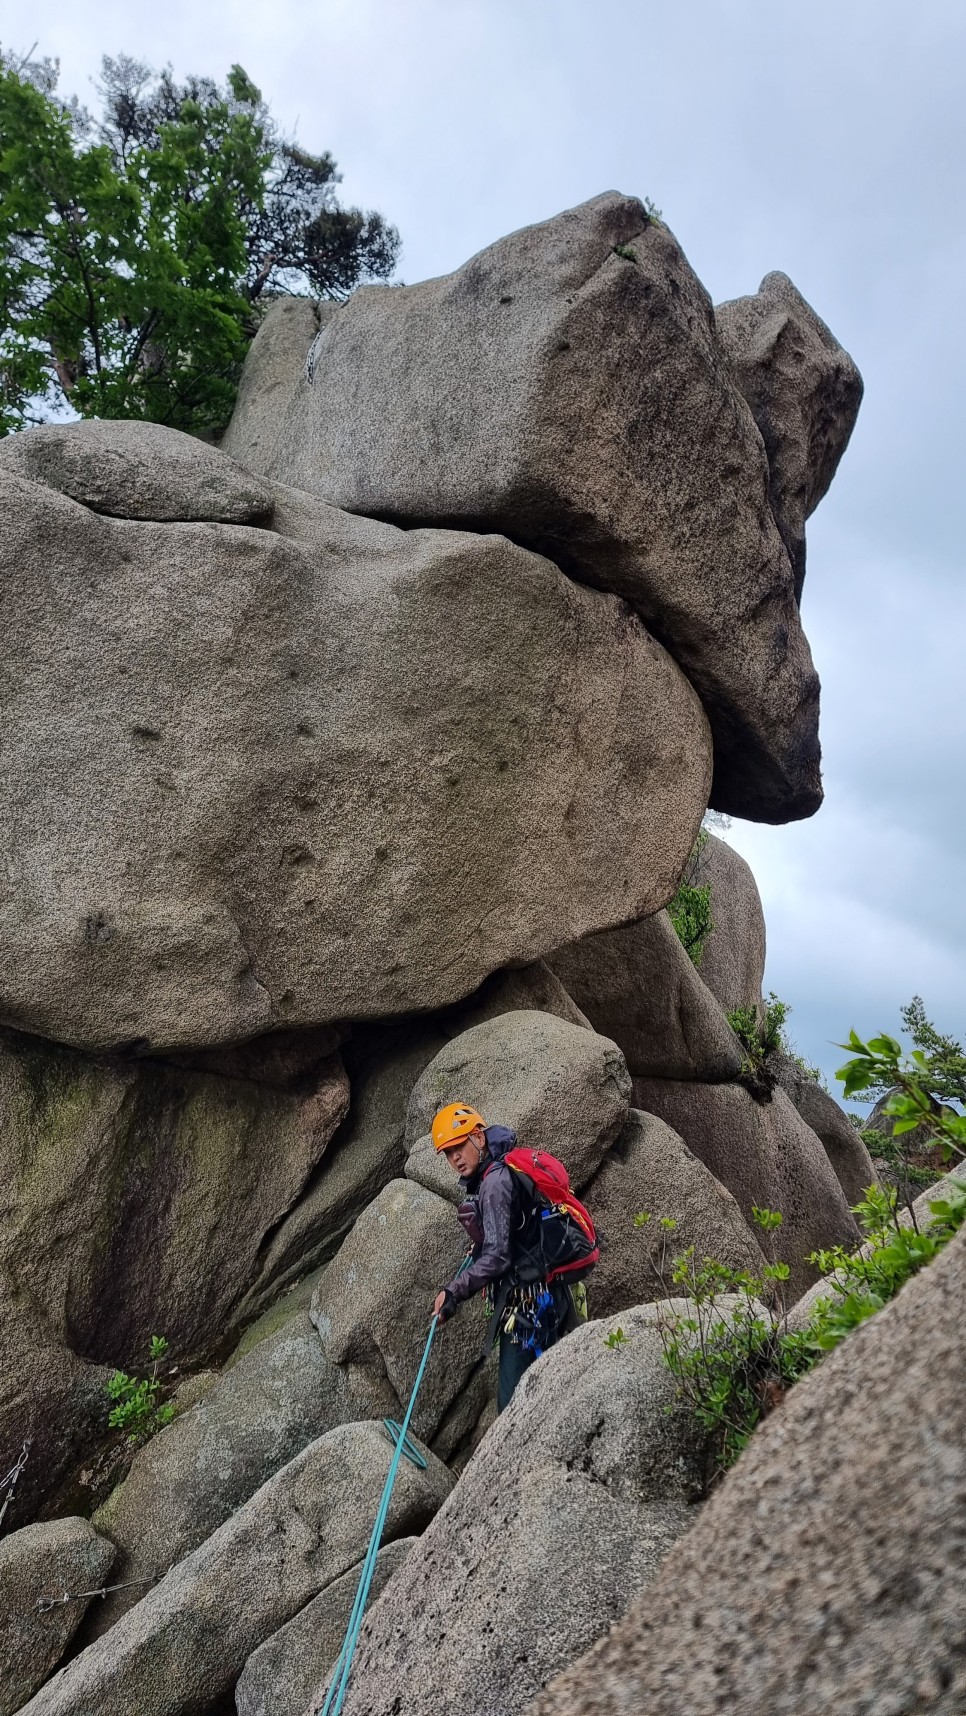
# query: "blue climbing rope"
{"type": "Point", "coordinates": [339, 1683]}
{"type": "Point", "coordinates": [395, 1435]}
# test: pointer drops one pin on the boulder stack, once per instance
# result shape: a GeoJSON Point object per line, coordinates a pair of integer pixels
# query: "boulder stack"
{"type": "Point", "coordinates": [347, 770]}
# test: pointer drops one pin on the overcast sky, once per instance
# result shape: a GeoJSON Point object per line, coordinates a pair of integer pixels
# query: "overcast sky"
{"type": "Point", "coordinates": [825, 140]}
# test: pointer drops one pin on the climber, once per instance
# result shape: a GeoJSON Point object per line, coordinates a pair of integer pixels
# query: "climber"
{"type": "Point", "coordinates": [532, 1241]}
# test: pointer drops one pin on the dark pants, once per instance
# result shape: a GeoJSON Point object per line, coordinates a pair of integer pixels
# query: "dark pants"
{"type": "Point", "coordinates": [515, 1360]}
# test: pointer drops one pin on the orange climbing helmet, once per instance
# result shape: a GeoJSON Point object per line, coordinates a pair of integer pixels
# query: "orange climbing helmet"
{"type": "Point", "coordinates": [454, 1122]}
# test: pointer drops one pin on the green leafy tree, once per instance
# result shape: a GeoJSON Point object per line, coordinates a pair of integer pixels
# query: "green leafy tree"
{"type": "Point", "coordinates": [134, 250]}
{"type": "Point", "coordinates": [942, 1066]}
{"type": "Point", "coordinates": [912, 1081]}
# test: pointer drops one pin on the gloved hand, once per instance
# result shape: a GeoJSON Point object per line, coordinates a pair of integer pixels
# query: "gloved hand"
{"type": "Point", "coordinates": [444, 1305]}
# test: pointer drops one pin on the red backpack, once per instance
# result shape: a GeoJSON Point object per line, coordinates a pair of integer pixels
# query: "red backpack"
{"type": "Point", "coordinates": [556, 1238]}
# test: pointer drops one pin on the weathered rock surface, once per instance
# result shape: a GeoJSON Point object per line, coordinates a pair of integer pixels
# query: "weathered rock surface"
{"type": "Point", "coordinates": [259, 1414]}
{"type": "Point", "coordinates": [220, 740]}
{"type": "Point", "coordinates": [374, 1303]}
{"type": "Point", "coordinates": [531, 988]}
{"type": "Point", "coordinates": [565, 387]}
{"type": "Point", "coordinates": [50, 1396]}
{"type": "Point", "coordinates": [383, 1062]}
{"type": "Point", "coordinates": [567, 1510]}
{"type": "Point", "coordinates": [801, 1588]}
{"type": "Point", "coordinates": [764, 1154]}
{"type": "Point", "coordinates": [841, 1141]}
{"type": "Point", "coordinates": [637, 985]}
{"type": "Point", "coordinates": [61, 1555]}
{"type": "Point", "coordinates": [428, 1168]}
{"type": "Point", "coordinates": [183, 1646]}
{"type": "Point", "coordinates": [273, 368]}
{"type": "Point", "coordinates": [733, 957]}
{"type": "Point", "coordinates": [281, 1676]}
{"type": "Point", "coordinates": [559, 1086]}
{"type": "Point", "coordinates": [138, 470]}
{"type": "Point", "coordinates": [136, 1197]}
{"type": "Point", "coordinates": [804, 391]}
{"type": "Point", "coordinates": [649, 1168]}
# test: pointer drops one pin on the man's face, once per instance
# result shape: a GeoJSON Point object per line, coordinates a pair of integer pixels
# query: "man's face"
{"type": "Point", "coordinates": [464, 1157]}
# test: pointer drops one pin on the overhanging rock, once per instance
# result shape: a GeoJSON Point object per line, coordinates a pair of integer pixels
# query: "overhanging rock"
{"type": "Point", "coordinates": [253, 779]}
{"type": "Point", "coordinates": [566, 387]}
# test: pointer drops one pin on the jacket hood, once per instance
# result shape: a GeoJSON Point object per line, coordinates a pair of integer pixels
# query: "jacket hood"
{"type": "Point", "coordinates": [499, 1140]}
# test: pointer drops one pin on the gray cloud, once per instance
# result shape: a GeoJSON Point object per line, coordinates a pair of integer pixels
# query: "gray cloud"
{"type": "Point", "coordinates": [825, 141]}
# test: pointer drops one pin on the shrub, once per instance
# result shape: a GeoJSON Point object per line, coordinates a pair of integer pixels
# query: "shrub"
{"type": "Point", "coordinates": [690, 909]}
{"type": "Point", "coordinates": [735, 1362]}
{"type": "Point", "coordinates": [137, 1409]}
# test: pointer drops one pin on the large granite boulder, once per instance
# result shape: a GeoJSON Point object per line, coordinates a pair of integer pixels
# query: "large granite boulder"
{"type": "Point", "coordinates": [828, 1573]}
{"type": "Point", "coordinates": [220, 741]}
{"type": "Point", "coordinates": [374, 1303]}
{"type": "Point", "coordinates": [764, 1154]}
{"type": "Point", "coordinates": [804, 391]}
{"type": "Point", "coordinates": [61, 1557]}
{"type": "Point", "coordinates": [138, 470]}
{"type": "Point", "coordinates": [566, 387]}
{"type": "Point", "coordinates": [255, 1418]}
{"type": "Point", "coordinates": [183, 1646]}
{"type": "Point", "coordinates": [650, 1170]}
{"type": "Point", "coordinates": [559, 1086]}
{"type": "Point", "coordinates": [273, 369]}
{"type": "Point", "coordinates": [137, 1200]}
{"type": "Point", "coordinates": [563, 1515]}
{"type": "Point", "coordinates": [921, 1148]}
{"type": "Point", "coordinates": [637, 985]}
{"type": "Point", "coordinates": [137, 1197]}
{"type": "Point", "coordinates": [841, 1140]}
{"type": "Point", "coordinates": [280, 1677]}
{"type": "Point", "coordinates": [732, 963]}
{"type": "Point", "coordinates": [383, 1062]}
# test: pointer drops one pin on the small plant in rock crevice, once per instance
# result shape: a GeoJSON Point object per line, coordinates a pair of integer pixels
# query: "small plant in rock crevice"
{"type": "Point", "coordinates": [137, 1409]}
{"type": "Point", "coordinates": [762, 1031]}
{"type": "Point", "coordinates": [615, 1340]}
{"type": "Point", "coordinates": [690, 909]}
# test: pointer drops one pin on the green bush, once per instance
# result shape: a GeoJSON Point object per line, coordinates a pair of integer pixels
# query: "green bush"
{"type": "Point", "coordinates": [137, 1409]}
{"type": "Point", "coordinates": [735, 1362]}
